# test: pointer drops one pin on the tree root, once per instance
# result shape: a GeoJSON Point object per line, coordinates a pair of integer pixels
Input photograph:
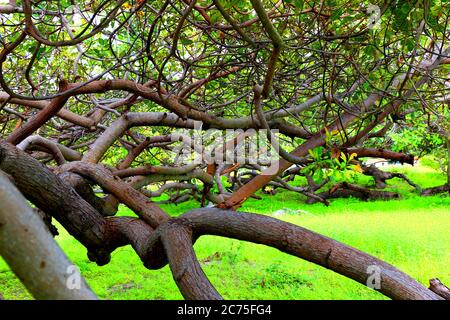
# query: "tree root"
{"type": "Point", "coordinates": [436, 190]}
{"type": "Point", "coordinates": [346, 190]}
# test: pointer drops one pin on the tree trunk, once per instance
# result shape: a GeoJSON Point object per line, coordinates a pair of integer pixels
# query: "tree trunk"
{"type": "Point", "coordinates": [448, 162]}
{"type": "Point", "coordinates": [172, 238]}
{"type": "Point", "coordinates": [32, 253]}
{"type": "Point", "coordinates": [346, 190]}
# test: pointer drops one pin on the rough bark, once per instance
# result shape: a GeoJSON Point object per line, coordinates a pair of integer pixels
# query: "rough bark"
{"type": "Point", "coordinates": [322, 79]}
{"type": "Point", "coordinates": [135, 200]}
{"type": "Point", "coordinates": [50, 194]}
{"type": "Point", "coordinates": [38, 120]}
{"type": "Point", "coordinates": [319, 138]}
{"type": "Point", "coordinates": [103, 205]}
{"type": "Point", "coordinates": [187, 272]}
{"type": "Point", "coordinates": [346, 190]}
{"type": "Point", "coordinates": [448, 162]}
{"type": "Point", "coordinates": [381, 176]}
{"type": "Point", "coordinates": [67, 153]}
{"type": "Point", "coordinates": [171, 240]}
{"type": "Point", "coordinates": [381, 153]}
{"type": "Point", "coordinates": [307, 245]}
{"type": "Point", "coordinates": [439, 288]}
{"type": "Point", "coordinates": [435, 190]}
{"type": "Point", "coordinates": [63, 113]}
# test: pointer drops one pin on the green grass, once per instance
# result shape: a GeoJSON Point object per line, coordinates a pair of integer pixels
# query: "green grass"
{"type": "Point", "coordinates": [412, 234]}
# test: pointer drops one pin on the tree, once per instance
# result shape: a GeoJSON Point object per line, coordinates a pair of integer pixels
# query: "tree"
{"type": "Point", "coordinates": [95, 93]}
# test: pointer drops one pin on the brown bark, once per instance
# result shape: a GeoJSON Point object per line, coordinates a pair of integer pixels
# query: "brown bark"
{"type": "Point", "coordinates": [66, 153]}
{"type": "Point", "coordinates": [40, 186]}
{"type": "Point", "coordinates": [448, 162]}
{"type": "Point", "coordinates": [135, 152]}
{"type": "Point", "coordinates": [186, 270]}
{"type": "Point", "coordinates": [147, 170]}
{"type": "Point", "coordinates": [63, 113]}
{"type": "Point", "coordinates": [30, 251]}
{"type": "Point", "coordinates": [435, 190]}
{"type": "Point", "coordinates": [318, 139]}
{"type": "Point", "coordinates": [381, 176]}
{"type": "Point", "coordinates": [66, 193]}
{"type": "Point", "coordinates": [243, 193]}
{"type": "Point", "coordinates": [346, 190]}
{"type": "Point", "coordinates": [44, 189]}
{"type": "Point", "coordinates": [171, 241]}
{"type": "Point", "coordinates": [381, 153]}
{"type": "Point", "coordinates": [144, 208]}
{"type": "Point", "coordinates": [103, 205]}
{"type": "Point", "coordinates": [439, 288]}
{"type": "Point", "coordinates": [38, 120]}
{"type": "Point", "coordinates": [307, 245]}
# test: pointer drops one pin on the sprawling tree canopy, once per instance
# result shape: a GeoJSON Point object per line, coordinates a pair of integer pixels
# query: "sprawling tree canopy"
{"type": "Point", "coordinates": [94, 95]}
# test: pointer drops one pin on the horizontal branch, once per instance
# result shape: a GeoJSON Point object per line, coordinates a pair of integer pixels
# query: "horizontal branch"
{"type": "Point", "coordinates": [307, 245]}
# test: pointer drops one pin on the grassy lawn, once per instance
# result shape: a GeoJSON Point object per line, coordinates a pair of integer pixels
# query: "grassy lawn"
{"type": "Point", "coordinates": [412, 234]}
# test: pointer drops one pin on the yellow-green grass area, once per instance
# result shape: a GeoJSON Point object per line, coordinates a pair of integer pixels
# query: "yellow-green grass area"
{"type": "Point", "coordinates": [411, 234]}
